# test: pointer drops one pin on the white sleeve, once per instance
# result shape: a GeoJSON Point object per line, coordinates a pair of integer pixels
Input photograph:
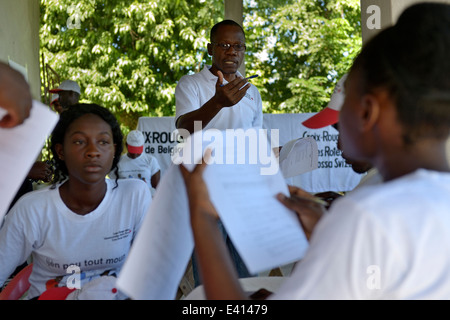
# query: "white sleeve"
{"type": "Point", "coordinates": [16, 241]}
{"type": "Point", "coordinates": [154, 166]}
{"type": "Point", "coordinates": [258, 119]}
{"type": "Point", "coordinates": [186, 97]}
{"type": "Point", "coordinates": [152, 163]}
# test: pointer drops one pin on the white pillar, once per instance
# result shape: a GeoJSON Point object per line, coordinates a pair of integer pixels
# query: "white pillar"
{"type": "Point", "coordinates": [234, 11]}
{"type": "Point", "coordinates": [19, 38]}
{"type": "Point", "coordinates": [379, 14]}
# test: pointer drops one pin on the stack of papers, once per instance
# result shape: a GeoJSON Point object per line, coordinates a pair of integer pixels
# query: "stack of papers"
{"type": "Point", "coordinates": [265, 233]}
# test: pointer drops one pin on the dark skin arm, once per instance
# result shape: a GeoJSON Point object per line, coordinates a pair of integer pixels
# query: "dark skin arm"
{"type": "Point", "coordinates": [155, 179]}
{"type": "Point", "coordinates": [218, 274]}
{"type": "Point", "coordinates": [219, 277]}
{"type": "Point", "coordinates": [15, 97]}
{"type": "Point", "coordinates": [226, 96]}
{"type": "Point", "coordinates": [40, 171]}
{"type": "Point", "coordinates": [328, 196]}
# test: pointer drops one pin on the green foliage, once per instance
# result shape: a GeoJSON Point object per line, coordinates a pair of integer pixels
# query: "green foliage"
{"type": "Point", "coordinates": [129, 55]}
{"type": "Point", "coordinates": [301, 49]}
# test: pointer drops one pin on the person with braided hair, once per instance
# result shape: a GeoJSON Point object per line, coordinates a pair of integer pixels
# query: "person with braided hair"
{"type": "Point", "coordinates": [384, 241]}
{"type": "Point", "coordinates": [83, 220]}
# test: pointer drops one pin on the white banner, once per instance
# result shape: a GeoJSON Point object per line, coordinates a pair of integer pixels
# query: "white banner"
{"type": "Point", "coordinates": [333, 174]}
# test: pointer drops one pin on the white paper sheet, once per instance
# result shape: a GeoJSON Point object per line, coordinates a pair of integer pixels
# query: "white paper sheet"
{"type": "Point", "coordinates": [163, 246]}
{"type": "Point", "coordinates": [298, 156]}
{"type": "Point", "coordinates": [19, 149]}
{"type": "Point", "coordinates": [265, 233]}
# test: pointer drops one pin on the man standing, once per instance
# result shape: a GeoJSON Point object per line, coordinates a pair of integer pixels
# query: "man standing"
{"type": "Point", "coordinates": [219, 96]}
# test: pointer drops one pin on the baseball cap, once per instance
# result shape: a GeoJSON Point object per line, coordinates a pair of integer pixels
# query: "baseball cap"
{"type": "Point", "coordinates": [135, 142]}
{"type": "Point", "coordinates": [67, 85]}
{"type": "Point", "coordinates": [54, 98]}
{"type": "Point", "coordinates": [329, 115]}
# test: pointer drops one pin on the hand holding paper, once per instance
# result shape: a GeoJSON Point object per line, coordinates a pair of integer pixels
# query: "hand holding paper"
{"type": "Point", "coordinates": [196, 187]}
{"type": "Point", "coordinates": [15, 97]}
{"type": "Point", "coordinates": [265, 233]}
{"type": "Point", "coordinates": [19, 148]}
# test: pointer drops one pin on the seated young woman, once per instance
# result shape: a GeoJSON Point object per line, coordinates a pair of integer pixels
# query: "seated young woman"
{"type": "Point", "coordinates": [82, 227]}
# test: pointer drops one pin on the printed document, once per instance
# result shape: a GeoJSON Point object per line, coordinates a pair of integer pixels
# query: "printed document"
{"type": "Point", "coordinates": [19, 149]}
{"type": "Point", "coordinates": [265, 233]}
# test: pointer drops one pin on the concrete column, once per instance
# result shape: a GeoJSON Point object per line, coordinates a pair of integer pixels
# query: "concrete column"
{"type": "Point", "coordinates": [234, 11]}
{"type": "Point", "coordinates": [19, 38]}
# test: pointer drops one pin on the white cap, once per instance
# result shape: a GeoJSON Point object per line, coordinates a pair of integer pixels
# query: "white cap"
{"type": "Point", "coordinates": [135, 142]}
{"type": "Point", "coordinates": [67, 85]}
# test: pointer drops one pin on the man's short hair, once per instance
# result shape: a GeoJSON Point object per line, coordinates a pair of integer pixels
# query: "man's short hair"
{"type": "Point", "coordinates": [216, 27]}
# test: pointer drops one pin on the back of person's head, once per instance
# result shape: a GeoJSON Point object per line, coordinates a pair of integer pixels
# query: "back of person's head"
{"type": "Point", "coordinates": [69, 116]}
{"type": "Point", "coordinates": [412, 61]}
{"type": "Point", "coordinates": [216, 27]}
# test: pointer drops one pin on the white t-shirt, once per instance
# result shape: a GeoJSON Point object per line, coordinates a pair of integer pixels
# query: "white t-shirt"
{"type": "Point", "coordinates": [386, 241]}
{"type": "Point", "coordinates": [41, 224]}
{"type": "Point", "coordinates": [193, 91]}
{"type": "Point", "coordinates": [370, 178]}
{"type": "Point", "coordinates": [142, 167]}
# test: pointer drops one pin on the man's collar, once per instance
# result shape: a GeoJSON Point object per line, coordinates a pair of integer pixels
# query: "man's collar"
{"type": "Point", "coordinates": [210, 76]}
